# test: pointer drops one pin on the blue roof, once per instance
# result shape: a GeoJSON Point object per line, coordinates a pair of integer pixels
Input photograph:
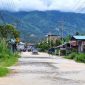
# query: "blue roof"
{"type": "Point", "coordinates": [79, 37]}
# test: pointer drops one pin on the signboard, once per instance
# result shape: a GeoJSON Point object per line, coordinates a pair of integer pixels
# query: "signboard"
{"type": "Point", "coordinates": [17, 40]}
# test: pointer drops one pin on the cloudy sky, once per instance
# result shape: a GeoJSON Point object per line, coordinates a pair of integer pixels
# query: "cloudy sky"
{"type": "Point", "coordinates": [43, 5]}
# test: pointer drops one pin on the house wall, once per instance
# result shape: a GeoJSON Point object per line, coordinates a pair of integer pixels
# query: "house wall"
{"type": "Point", "coordinates": [53, 38]}
{"type": "Point", "coordinates": [78, 44]}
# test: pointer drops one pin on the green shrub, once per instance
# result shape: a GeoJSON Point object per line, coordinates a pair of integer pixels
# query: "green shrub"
{"type": "Point", "coordinates": [71, 56]}
{"type": "Point", "coordinates": [3, 71]}
{"type": "Point", "coordinates": [7, 57]}
{"type": "Point", "coordinates": [8, 61]}
{"type": "Point", "coordinates": [4, 51]}
{"type": "Point", "coordinates": [80, 57]}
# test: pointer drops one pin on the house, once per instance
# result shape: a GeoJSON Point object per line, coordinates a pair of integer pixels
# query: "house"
{"type": "Point", "coordinates": [63, 49]}
{"type": "Point", "coordinates": [54, 38]}
{"type": "Point", "coordinates": [78, 42]}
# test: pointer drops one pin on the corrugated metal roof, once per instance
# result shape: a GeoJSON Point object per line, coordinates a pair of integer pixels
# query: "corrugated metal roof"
{"type": "Point", "coordinates": [79, 37]}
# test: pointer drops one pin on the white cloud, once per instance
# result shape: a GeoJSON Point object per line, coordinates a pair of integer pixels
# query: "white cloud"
{"type": "Point", "coordinates": [42, 5]}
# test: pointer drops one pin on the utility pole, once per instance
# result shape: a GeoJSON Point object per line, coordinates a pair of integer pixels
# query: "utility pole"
{"type": "Point", "coordinates": [49, 39]}
{"type": "Point", "coordinates": [61, 26]}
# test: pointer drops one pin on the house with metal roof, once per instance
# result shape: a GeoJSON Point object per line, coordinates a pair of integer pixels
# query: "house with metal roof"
{"type": "Point", "coordinates": [78, 37]}
{"type": "Point", "coordinates": [79, 42]}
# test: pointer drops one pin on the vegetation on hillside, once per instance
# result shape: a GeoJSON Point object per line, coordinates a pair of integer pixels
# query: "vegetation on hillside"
{"type": "Point", "coordinates": [44, 22]}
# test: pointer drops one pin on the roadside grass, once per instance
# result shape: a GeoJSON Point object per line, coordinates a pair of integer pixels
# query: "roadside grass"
{"type": "Point", "coordinates": [78, 57]}
{"type": "Point", "coordinates": [7, 58]}
{"type": "Point", "coordinates": [6, 62]}
{"type": "Point", "coordinates": [71, 56]}
{"type": "Point", "coordinates": [4, 71]}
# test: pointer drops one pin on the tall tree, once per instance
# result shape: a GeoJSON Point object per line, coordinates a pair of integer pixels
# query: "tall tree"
{"type": "Point", "coordinates": [8, 31]}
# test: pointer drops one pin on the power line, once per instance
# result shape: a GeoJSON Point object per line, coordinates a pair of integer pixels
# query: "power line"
{"type": "Point", "coordinates": [2, 13]}
{"type": "Point", "coordinates": [79, 5]}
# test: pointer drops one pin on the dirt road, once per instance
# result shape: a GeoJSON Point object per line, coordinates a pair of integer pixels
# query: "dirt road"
{"type": "Point", "coordinates": [43, 69]}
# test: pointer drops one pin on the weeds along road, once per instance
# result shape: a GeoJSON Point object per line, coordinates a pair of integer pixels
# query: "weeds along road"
{"type": "Point", "coordinates": [43, 69]}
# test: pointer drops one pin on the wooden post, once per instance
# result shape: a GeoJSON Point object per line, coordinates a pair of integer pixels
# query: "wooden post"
{"type": "Point", "coordinates": [80, 46]}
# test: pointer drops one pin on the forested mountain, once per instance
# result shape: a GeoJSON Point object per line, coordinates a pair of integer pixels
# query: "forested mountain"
{"type": "Point", "coordinates": [35, 25]}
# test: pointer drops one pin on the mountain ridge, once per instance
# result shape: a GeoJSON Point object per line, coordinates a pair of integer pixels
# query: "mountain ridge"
{"type": "Point", "coordinates": [40, 23]}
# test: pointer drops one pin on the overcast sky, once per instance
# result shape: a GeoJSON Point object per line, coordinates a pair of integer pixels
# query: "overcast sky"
{"type": "Point", "coordinates": [43, 5]}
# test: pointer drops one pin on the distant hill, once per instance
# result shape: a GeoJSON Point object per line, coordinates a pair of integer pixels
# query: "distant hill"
{"type": "Point", "coordinates": [36, 24]}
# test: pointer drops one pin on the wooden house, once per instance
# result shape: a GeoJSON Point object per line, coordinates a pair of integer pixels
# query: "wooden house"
{"type": "Point", "coordinates": [78, 42]}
